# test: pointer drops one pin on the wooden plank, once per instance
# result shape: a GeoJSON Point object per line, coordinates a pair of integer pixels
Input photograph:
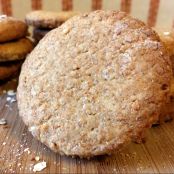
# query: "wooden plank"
{"type": "Point", "coordinates": [18, 148]}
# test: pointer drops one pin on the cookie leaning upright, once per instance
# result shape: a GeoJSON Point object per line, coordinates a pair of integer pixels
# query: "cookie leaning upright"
{"type": "Point", "coordinates": [96, 82]}
{"type": "Point", "coordinates": [11, 28]}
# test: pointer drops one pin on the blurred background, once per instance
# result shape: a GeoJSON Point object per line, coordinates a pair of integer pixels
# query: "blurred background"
{"type": "Point", "coordinates": [158, 13]}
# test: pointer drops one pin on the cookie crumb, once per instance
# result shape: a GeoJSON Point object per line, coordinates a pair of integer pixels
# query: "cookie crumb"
{"type": "Point", "coordinates": [3, 17]}
{"type": "Point", "coordinates": [114, 170]}
{"type": "Point", "coordinates": [11, 96]}
{"type": "Point", "coordinates": [13, 100]}
{"type": "Point", "coordinates": [37, 158]}
{"type": "Point", "coordinates": [27, 150]}
{"type": "Point", "coordinates": [166, 33]}
{"type": "Point", "coordinates": [19, 164]}
{"type": "Point", "coordinates": [39, 166]}
{"type": "Point", "coordinates": [11, 93]}
{"type": "Point", "coordinates": [3, 121]}
{"type": "Point", "coordinates": [8, 98]}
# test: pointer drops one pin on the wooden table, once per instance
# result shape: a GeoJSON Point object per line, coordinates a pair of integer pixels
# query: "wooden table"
{"type": "Point", "coordinates": [18, 149]}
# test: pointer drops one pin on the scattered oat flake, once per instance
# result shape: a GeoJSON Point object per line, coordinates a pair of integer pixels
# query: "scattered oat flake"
{"type": "Point", "coordinates": [39, 166]}
{"type": "Point", "coordinates": [114, 170]}
{"type": "Point", "coordinates": [11, 96]}
{"type": "Point", "coordinates": [19, 164]}
{"type": "Point", "coordinates": [166, 33]}
{"type": "Point", "coordinates": [13, 100]}
{"type": "Point", "coordinates": [11, 93]}
{"type": "Point", "coordinates": [3, 17]}
{"type": "Point", "coordinates": [8, 98]}
{"type": "Point", "coordinates": [3, 121]}
{"type": "Point", "coordinates": [4, 143]}
{"type": "Point", "coordinates": [26, 150]}
{"type": "Point", "coordinates": [37, 158]}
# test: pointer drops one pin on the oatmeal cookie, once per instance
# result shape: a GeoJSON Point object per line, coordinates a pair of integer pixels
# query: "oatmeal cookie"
{"type": "Point", "coordinates": [11, 28]}
{"type": "Point", "coordinates": [15, 50]}
{"type": "Point", "coordinates": [95, 82]}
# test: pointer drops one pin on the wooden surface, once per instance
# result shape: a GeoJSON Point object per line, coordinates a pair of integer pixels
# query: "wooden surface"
{"type": "Point", "coordinates": [18, 149]}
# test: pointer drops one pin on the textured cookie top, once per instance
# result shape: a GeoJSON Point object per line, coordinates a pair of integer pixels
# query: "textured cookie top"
{"type": "Point", "coordinates": [92, 84]}
{"type": "Point", "coordinates": [48, 19]}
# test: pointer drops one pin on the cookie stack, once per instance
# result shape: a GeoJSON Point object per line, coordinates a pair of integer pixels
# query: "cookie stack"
{"type": "Point", "coordinates": [44, 21]}
{"type": "Point", "coordinates": [167, 37]}
{"type": "Point", "coordinates": [14, 46]}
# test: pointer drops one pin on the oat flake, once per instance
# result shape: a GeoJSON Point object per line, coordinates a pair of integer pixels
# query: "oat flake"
{"type": "Point", "coordinates": [3, 121]}
{"type": "Point", "coordinates": [39, 166]}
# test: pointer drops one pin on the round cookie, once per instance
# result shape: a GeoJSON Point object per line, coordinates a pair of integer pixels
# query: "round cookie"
{"type": "Point", "coordinates": [96, 82]}
{"type": "Point", "coordinates": [48, 19]}
{"type": "Point", "coordinates": [15, 50]}
{"type": "Point", "coordinates": [8, 69]}
{"type": "Point", "coordinates": [11, 28]}
{"type": "Point", "coordinates": [38, 33]}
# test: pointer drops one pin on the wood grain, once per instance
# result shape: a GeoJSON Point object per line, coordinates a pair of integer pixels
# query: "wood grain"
{"type": "Point", "coordinates": [18, 148]}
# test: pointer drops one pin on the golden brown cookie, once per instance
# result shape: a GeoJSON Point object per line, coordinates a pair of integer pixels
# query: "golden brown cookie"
{"type": "Point", "coordinates": [15, 50]}
{"type": "Point", "coordinates": [48, 19]}
{"type": "Point", "coordinates": [95, 82]}
{"type": "Point", "coordinates": [11, 28]}
{"type": "Point", "coordinates": [8, 69]}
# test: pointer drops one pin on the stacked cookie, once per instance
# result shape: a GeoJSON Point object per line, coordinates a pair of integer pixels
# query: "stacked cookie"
{"type": "Point", "coordinates": [14, 46]}
{"type": "Point", "coordinates": [167, 37]}
{"type": "Point", "coordinates": [44, 21]}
